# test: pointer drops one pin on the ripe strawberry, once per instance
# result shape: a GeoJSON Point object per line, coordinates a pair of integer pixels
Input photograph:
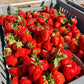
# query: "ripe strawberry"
{"type": "Point", "coordinates": [13, 62]}
{"type": "Point", "coordinates": [31, 27]}
{"type": "Point", "coordinates": [40, 20]}
{"type": "Point", "coordinates": [73, 21]}
{"type": "Point", "coordinates": [73, 41]}
{"type": "Point", "coordinates": [76, 35]}
{"type": "Point", "coordinates": [16, 45]}
{"type": "Point", "coordinates": [71, 70]}
{"type": "Point", "coordinates": [28, 14]}
{"type": "Point", "coordinates": [31, 44]}
{"type": "Point", "coordinates": [68, 33]}
{"type": "Point", "coordinates": [56, 77]}
{"type": "Point", "coordinates": [30, 21]}
{"type": "Point", "coordinates": [81, 38]}
{"type": "Point", "coordinates": [20, 52]}
{"type": "Point", "coordinates": [23, 23]}
{"type": "Point", "coordinates": [35, 14]}
{"type": "Point", "coordinates": [53, 66]}
{"type": "Point", "coordinates": [34, 72]}
{"type": "Point", "coordinates": [80, 54]}
{"type": "Point", "coordinates": [44, 34]}
{"type": "Point", "coordinates": [8, 51]}
{"type": "Point", "coordinates": [68, 25]}
{"type": "Point", "coordinates": [57, 25]}
{"type": "Point", "coordinates": [22, 14]}
{"type": "Point", "coordinates": [25, 80]}
{"type": "Point", "coordinates": [47, 46]}
{"type": "Point", "coordinates": [67, 39]}
{"type": "Point", "coordinates": [15, 80]}
{"type": "Point", "coordinates": [61, 40]}
{"type": "Point", "coordinates": [8, 28]}
{"type": "Point", "coordinates": [55, 39]}
{"type": "Point", "coordinates": [81, 46]}
{"type": "Point", "coordinates": [50, 21]}
{"type": "Point", "coordinates": [60, 46]}
{"type": "Point", "coordinates": [73, 47]}
{"type": "Point", "coordinates": [44, 65]}
{"type": "Point", "coordinates": [45, 54]}
{"type": "Point", "coordinates": [2, 20]}
{"type": "Point", "coordinates": [26, 36]}
{"type": "Point", "coordinates": [52, 12]}
{"type": "Point", "coordinates": [46, 8]}
{"type": "Point", "coordinates": [42, 80]}
{"type": "Point", "coordinates": [16, 72]}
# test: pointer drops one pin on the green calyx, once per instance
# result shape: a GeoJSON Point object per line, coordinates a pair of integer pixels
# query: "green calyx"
{"type": "Point", "coordinates": [19, 44]}
{"type": "Point", "coordinates": [18, 19]}
{"type": "Point", "coordinates": [29, 45]}
{"type": "Point", "coordinates": [67, 37]}
{"type": "Point", "coordinates": [53, 34]}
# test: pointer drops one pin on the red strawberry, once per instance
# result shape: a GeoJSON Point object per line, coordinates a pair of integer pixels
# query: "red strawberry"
{"type": "Point", "coordinates": [61, 39]}
{"type": "Point", "coordinates": [73, 21]}
{"type": "Point", "coordinates": [44, 65]}
{"type": "Point", "coordinates": [26, 36]}
{"type": "Point", "coordinates": [47, 46]}
{"type": "Point", "coordinates": [8, 28]}
{"type": "Point", "coordinates": [30, 21]}
{"type": "Point", "coordinates": [25, 80]}
{"type": "Point", "coordinates": [28, 14]}
{"type": "Point", "coordinates": [41, 20]}
{"type": "Point", "coordinates": [35, 14]}
{"type": "Point", "coordinates": [68, 33]}
{"type": "Point", "coordinates": [13, 62]}
{"type": "Point", "coordinates": [81, 46]}
{"type": "Point", "coordinates": [45, 54]}
{"type": "Point", "coordinates": [81, 38]}
{"type": "Point", "coordinates": [80, 54]}
{"type": "Point", "coordinates": [16, 72]}
{"type": "Point", "coordinates": [44, 34]}
{"type": "Point", "coordinates": [68, 25]}
{"type": "Point", "coordinates": [52, 12]}
{"type": "Point", "coordinates": [24, 23]}
{"type": "Point", "coordinates": [55, 39]}
{"type": "Point", "coordinates": [14, 80]}
{"type": "Point", "coordinates": [71, 70]}
{"type": "Point", "coordinates": [53, 67]}
{"type": "Point", "coordinates": [22, 14]}
{"type": "Point", "coordinates": [46, 8]}
{"type": "Point", "coordinates": [50, 21]}
{"type": "Point", "coordinates": [2, 20]}
{"type": "Point", "coordinates": [34, 72]}
{"type": "Point", "coordinates": [31, 27]}
{"type": "Point", "coordinates": [42, 80]}
{"type": "Point", "coordinates": [76, 35]}
{"type": "Point", "coordinates": [57, 25]}
{"type": "Point", "coordinates": [31, 44]}
{"type": "Point", "coordinates": [67, 39]}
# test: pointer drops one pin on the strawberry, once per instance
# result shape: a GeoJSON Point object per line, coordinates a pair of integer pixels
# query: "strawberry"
{"type": "Point", "coordinates": [46, 8]}
{"type": "Point", "coordinates": [2, 20]}
{"type": "Point", "coordinates": [68, 25]}
{"type": "Point", "coordinates": [31, 44]}
{"type": "Point", "coordinates": [57, 25]}
{"type": "Point", "coordinates": [76, 35]}
{"type": "Point", "coordinates": [67, 39]}
{"type": "Point", "coordinates": [30, 21]}
{"type": "Point", "coordinates": [40, 20]}
{"type": "Point", "coordinates": [35, 14]}
{"type": "Point", "coordinates": [73, 47]}
{"type": "Point", "coordinates": [16, 72]}
{"type": "Point", "coordinates": [45, 54]}
{"type": "Point", "coordinates": [20, 52]}
{"type": "Point", "coordinates": [52, 12]}
{"type": "Point", "coordinates": [8, 51]}
{"type": "Point", "coordinates": [14, 80]}
{"type": "Point", "coordinates": [8, 28]}
{"type": "Point", "coordinates": [61, 39]}
{"type": "Point", "coordinates": [80, 54]}
{"type": "Point", "coordinates": [53, 67]}
{"type": "Point", "coordinates": [34, 72]}
{"type": "Point", "coordinates": [16, 45]}
{"type": "Point", "coordinates": [26, 36]}
{"type": "Point", "coordinates": [71, 70]}
{"type": "Point", "coordinates": [44, 34]}
{"type": "Point", "coordinates": [25, 80]}
{"type": "Point", "coordinates": [13, 62]}
{"type": "Point", "coordinates": [24, 23]}
{"type": "Point", "coordinates": [42, 80]}
{"type": "Point", "coordinates": [28, 14]}
{"type": "Point", "coordinates": [31, 27]}
{"type": "Point", "coordinates": [68, 33]}
{"type": "Point", "coordinates": [47, 46]}
{"type": "Point", "coordinates": [55, 39]}
{"type": "Point", "coordinates": [81, 38]}
{"type": "Point", "coordinates": [81, 46]}
{"type": "Point", "coordinates": [73, 21]}
{"type": "Point", "coordinates": [44, 65]}
{"type": "Point", "coordinates": [22, 14]}
{"type": "Point", "coordinates": [50, 21]}
{"type": "Point", "coordinates": [56, 77]}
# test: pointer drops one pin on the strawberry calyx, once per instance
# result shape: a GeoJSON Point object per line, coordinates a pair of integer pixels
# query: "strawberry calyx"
{"type": "Point", "coordinates": [29, 45]}
{"type": "Point", "coordinates": [53, 34]}
{"type": "Point", "coordinates": [67, 37]}
{"type": "Point", "coordinates": [18, 19]}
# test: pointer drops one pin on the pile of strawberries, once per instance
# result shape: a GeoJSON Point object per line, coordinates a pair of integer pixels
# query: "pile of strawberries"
{"type": "Point", "coordinates": [36, 51]}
